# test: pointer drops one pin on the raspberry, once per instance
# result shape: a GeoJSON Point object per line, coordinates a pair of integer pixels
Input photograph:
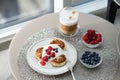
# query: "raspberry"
{"type": "Point", "coordinates": [99, 35]}
{"type": "Point", "coordinates": [91, 32]}
{"type": "Point", "coordinates": [87, 41]}
{"type": "Point", "coordinates": [95, 36]}
{"type": "Point", "coordinates": [52, 54]}
{"type": "Point", "coordinates": [42, 63]}
{"type": "Point", "coordinates": [50, 48]}
{"type": "Point", "coordinates": [96, 42]}
{"type": "Point", "coordinates": [99, 39]}
{"type": "Point", "coordinates": [48, 52]}
{"type": "Point", "coordinates": [45, 58]}
{"type": "Point", "coordinates": [85, 38]}
{"type": "Point", "coordinates": [92, 42]}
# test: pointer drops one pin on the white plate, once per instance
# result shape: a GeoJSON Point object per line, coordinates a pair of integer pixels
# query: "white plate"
{"type": "Point", "coordinates": [71, 54]}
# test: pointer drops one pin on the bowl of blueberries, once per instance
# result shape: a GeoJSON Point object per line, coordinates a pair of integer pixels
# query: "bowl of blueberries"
{"type": "Point", "coordinates": [90, 59]}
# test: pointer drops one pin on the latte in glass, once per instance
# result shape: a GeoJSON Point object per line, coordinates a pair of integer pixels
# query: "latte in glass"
{"type": "Point", "coordinates": [68, 21]}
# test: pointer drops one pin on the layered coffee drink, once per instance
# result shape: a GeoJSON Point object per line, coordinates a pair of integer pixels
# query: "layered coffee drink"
{"type": "Point", "coordinates": [68, 21]}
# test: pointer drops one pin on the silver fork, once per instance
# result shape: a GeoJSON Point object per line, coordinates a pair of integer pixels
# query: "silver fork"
{"type": "Point", "coordinates": [70, 67]}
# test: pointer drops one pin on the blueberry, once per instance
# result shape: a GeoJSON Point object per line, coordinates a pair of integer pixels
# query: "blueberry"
{"type": "Point", "coordinates": [82, 58]}
{"type": "Point", "coordinates": [89, 55]}
{"type": "Point", "coordinates": [54, 49]}
{"type": "Point", "coordinates": [46, 50]}
{"type": "Point", "coordinates": [85, 60]}
{"type": "Point", "coordinates": [97, 54]}
{"type": "Point", "coordinates": [99, 59]}
{"type": "Point", "coordinates": [87, 52]}
{"type": "Point", "coordinates": [94, 53]}
{"type": "Point", "coordinates": [57, 49]}
{"type": "Point", "coordinates": [92, 59]}
{"type": "Point", "coordinates": [83, 55]}
{"type": "Point", "coordinates": [49, 57]}
{"type": "Point", "coordinates": [94, 63]}
{"type": "Point", "coordinates": [95, 57]}
{"type": "Point", "coordinates": [89, 59]}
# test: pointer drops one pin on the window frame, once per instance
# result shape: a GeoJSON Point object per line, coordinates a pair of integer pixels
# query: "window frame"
{"type": "Point", "coordinates": [12, 28]}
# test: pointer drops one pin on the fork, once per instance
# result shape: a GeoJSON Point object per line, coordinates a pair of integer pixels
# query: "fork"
{"type": "Point", "coordinates": [70, 67]}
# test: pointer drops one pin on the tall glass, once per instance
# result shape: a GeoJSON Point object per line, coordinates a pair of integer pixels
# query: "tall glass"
{"type": "Point", "coordinates": [68, 18]}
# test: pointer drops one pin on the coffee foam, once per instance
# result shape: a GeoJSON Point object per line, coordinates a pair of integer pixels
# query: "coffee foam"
{"type": "Point", "coordinates": [68, 17]}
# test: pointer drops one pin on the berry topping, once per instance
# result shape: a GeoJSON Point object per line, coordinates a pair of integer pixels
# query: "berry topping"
{"type": "Point", "coordinates": [99, 39]}
{"type": "Point", "coordinates": [52, 54]}
{"type": "Point", "coordinates": [91, 32]}
{"type": "Point", "coordinates": [45, 58]}
{"type": "Point", "coordinates": [92, 37]}
{"type": "Point", "coordinates": [99, 35]}
{"type": "Point", "coordinates": [55, 49]}
{"type": "Point", "coordinates": [48, 52]}
{"type": "Point", "coordinates": [42, 63]}
{"type": "Point", "coordinates": [92, 42]}
{"type": "Point", "coordinates": [85, 38]}
{"type": "Point", "coordinates": [49, 57]}
{"type": "Point", "coordinates": [50, 48]}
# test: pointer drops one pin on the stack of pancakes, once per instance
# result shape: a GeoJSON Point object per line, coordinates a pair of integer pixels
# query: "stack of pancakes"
{"type": "Point", "coordinates": [57, 61]}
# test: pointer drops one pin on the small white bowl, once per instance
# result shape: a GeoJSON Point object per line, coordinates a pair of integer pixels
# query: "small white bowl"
{"type": "Point", "coordinates": [90, 66]}
{"type": "Point", "coordinates": [91, 45]}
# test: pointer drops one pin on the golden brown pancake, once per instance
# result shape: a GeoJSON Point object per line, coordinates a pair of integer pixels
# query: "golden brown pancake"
{"type": "Point", "coordinates": [59, 61]}
{"type": "Point", "coordinates": [58, 42]}
{"type": "Point", "coordinates": [38, 53]}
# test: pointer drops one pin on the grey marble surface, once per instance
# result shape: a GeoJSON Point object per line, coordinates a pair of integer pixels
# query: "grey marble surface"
{"type": "Point", "coordinates": [106, 71]}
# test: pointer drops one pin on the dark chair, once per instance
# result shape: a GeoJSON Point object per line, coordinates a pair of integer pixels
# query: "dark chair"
{"type": "Point", "coordinates": [112, 7]}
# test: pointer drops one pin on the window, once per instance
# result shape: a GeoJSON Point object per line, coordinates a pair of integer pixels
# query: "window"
{"type": "Point", "coordinates": [89, 6]}
{"type": "Point", "coordinates": [78, 2]}
{"type": "Point", "coordinates": [16, 11]}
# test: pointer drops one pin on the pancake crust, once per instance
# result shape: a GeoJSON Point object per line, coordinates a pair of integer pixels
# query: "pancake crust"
{"type": "Point", "coordinates": [58, 42]}
{"type": "Point", "coordinates": [38, 53]}
{"type": "Point", "coordinates": [59, 61]}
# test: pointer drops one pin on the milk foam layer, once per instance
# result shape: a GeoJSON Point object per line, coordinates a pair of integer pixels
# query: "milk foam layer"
{"type": "Point", "coordinates": [69, 17]}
